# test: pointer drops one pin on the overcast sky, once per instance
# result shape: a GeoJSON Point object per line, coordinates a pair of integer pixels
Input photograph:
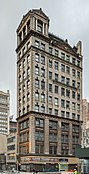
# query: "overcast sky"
{"type": "Point", "coordinates": [68, 19]}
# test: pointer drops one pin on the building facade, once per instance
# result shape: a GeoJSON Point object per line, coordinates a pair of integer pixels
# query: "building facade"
{"type": "Point", "coordinates": [3, 149]}
{"type": "Point", "coordinates": [85, 126]}
{"type": "Point", "coordinates": [11, 151]}
{"type": "Point", "coordinates": [11, 159]}
{"type": "Point", "coordinates": [4, 112]}
{"type": "Point", "coordinates": [49, 93]}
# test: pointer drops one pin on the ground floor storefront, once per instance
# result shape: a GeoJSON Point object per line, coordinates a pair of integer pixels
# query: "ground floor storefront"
{"type": "Point", "coordinates": [48, 164]}
{"type": "Point", "coordinates": [83, 155]}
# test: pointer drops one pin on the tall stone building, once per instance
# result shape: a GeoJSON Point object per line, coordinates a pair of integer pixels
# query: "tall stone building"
{"type": "Point", "coordinates": [4, 112]}
{"type": "Point", "coordinates": [49, 91]}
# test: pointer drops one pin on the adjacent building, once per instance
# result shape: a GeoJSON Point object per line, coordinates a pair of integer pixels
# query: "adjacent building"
{"type": "Point", "coordinates": [11, 153]}
{"type": "Point", "coordinates": [49, 94]}
{"type": "Point", "coordinates": [3, 149]}
{"type": "Point", "coordinates": [4, 112]}
{"type": "Point", "coordinates": [85, 126]}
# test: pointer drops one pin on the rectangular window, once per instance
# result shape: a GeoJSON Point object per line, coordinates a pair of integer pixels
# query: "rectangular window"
{"type": "Point", "coordinates": [62, 91]}
{"type": "Point", "coordinates": [42, 46]}
{"type": "Point", "coordinates": [73, 72]}
{"type": "Point", "coordinates": [36, 70]}
{"type": "Point", "coordinates": [78, 117]}
{"type": "Point", "coordinates": [56, 65]}
{"type": "Point", "coordinates": [36, 83]}
{"type": "Point", "coordinates": [23, 99]}
{"type": "Point", "coordinates": [39, 26]}
{"type": "Point", "coordinates": [63, 55]}
{"type": "Point", "coordinates": [56, 76]}
{"type": "Point", "coordinates": [78, 96]}
{"type": "Point", "coordinates": [56, 111]}
{"type": "Point", "coordinates": [24, 63]}
{"type": "Point", "coordinates": [50, 110]}
{"type": "Point", "coordinates": [73, 83]}
{"type": "Point", "coordinates": [67, 93]}
{"type": "Point", "coordinates": [78, 63]}
{"type": "Point", "coordinates": [62, 68]}
{"type": "Point", "coordinates": [62, 79]}
{"type": "Point", "coordinates": [28, 45]}
{"type": "Point", "coordinates": [73, 105]}
{"type": "Point", "coordinates": [73, 116]}
{"type": "Point", "coordinates": [43, 60]}
{"type": "Point", "coordinates": [50, 99]}
{"type": "Point", "coordinates": [50, 50]}
{"type": "Point", "coordinates": [52, 149]}
{"type": "Point", "coordinates": [67, 114]}
{"type": "Point", "coordinates": [67, 104]}
{"type": "Point", "coordinates": [39, 122]}
{"type": "Point", "coordinates": [37, 44]}
{"type": "Point", "coordinates": [28, 96]}
{"type": "Point", "coordinates": [19, 55]}
{"type": "Point", "coordinates": [24, 75]}
{"type": "Point", "coordinates": [50, 75]}
{"type": "Point", "coordinates": [73, 94]}
{"type": "Point", "coordinates": [28, 84]}
{"type": "Point", "coordinates": [74, 61]}
{"type": "Point", "coordinates": [56, 52]}
{"type": "Point", "coordinates": [50, 87]}
{"type": "Point", "coordinates": [39, 135]}
{"type": "Point", "coordinates": [56, 89]}
{"type": "Point", "coordinates": [42, 72]}
{"type": "Point", "coordinates": [68, 58]}
{"type": "Point", "coordinates": [37, 108]}
{"type": "Point", "coordinates": [37, 57]}
{"type": "Point", "coordinates": [78, 74]}
{"type": "Point", "coordinates": [62, 103]}
{"type": "Point", "coordinates": [19, 67]}
{"type": "Point", "coordinates": [28, 25]}
{"type": "Point", "coordinates": [43, 85]}
{"type": "Point", "coordinates": [67, 81]}
{"type": "Point", "coordinates": [36, 96]}
{"type": "Point", "coordinates": [67, 69]}
{"type": "Point", "coordinates": [39, 148]}
{"type": "Point", "coordinates": [20, 79]}
{"type": "Point", "coordinates": [43, 97]}
{"type": "Point", "coordinates": [78, 85]}
{"type": "Point", "coordinates": [56, 101]}
{"type": "Point", "coordinates": [23, 50]}
{"type": "Point", "coordinates": [50, 63]}
{"type": "Point", "coordinates": [52, 137]}
{"type": "Point", "coordinates": [52, 125]}
{"type": "Point", "coordinates": [42, 108]}
{"type": "Point", "coordinates": [62, 113]}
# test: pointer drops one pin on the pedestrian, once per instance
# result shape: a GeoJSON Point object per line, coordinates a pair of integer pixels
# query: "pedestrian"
{"type": "Point", "coordinates": [34, 171]}
{"type": "Point", "coordinates": [13, 170]}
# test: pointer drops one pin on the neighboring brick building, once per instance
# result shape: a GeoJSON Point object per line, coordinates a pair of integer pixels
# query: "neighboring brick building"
{"type": "Point", "coordinates": [49, 91]}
